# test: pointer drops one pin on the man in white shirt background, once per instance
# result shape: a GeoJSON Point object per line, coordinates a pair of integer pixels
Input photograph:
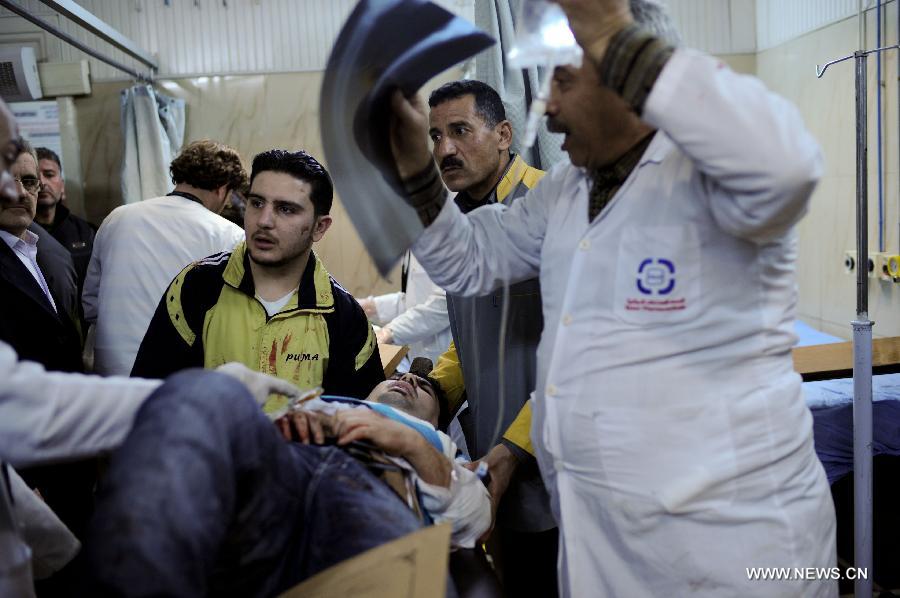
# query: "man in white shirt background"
{"type": "Point", "coordinates": [416, 316]}
{"type": "Point", "coordinates": [141, 247]}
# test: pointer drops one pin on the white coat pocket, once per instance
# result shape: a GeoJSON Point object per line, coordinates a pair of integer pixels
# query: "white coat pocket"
{"type": "Point", "coordinates": [658, 275]}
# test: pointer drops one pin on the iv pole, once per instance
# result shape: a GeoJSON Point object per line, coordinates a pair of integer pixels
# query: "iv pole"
{"type": "Point", "coordinates": [862, 342]}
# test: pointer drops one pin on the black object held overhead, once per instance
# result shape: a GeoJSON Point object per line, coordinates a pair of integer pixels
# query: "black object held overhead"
{"type": "Point", "coordinates": [383, 46]}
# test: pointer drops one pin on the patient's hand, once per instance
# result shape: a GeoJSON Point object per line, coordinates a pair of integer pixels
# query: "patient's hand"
{"type": "Point", "coordinates": [306, 426]}
{"type": "Point", "coordinates": [390, 436]}
{"type": "Point", "coordinates": [396, 439]}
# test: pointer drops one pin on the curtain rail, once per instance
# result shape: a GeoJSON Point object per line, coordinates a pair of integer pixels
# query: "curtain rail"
{"type": "Point", "coordinates": [13, 7]}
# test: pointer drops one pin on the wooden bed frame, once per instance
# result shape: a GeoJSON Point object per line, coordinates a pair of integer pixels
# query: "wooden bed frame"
{"type": "Point", "coordinates": [391, 355]}
{"type": "Point", "coordinates": [824, 362]}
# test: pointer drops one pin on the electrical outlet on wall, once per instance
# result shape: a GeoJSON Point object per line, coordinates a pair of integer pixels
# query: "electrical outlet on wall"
{"type": "Point", "coordinates": [850, 262]}
{"type": "Point", "coordinates": [873, 268]}
{"type": "Point", "coordinates": [892, 264]}
{"type": "Point", "coordinates": [881, 267]}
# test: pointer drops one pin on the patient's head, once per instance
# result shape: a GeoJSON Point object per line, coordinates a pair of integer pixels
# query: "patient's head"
{"type": "Point", "coordinates": [411, 393]}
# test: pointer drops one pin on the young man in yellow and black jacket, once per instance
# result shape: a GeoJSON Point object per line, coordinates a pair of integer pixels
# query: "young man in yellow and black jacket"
{"type": "Point", "coordinates": [269, 304]}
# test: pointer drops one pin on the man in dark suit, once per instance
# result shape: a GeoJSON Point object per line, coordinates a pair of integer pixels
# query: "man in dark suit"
{"type": "Point", "coordinates": [58, 268]}
{"type": "Point", "coordinates": [34, 320]}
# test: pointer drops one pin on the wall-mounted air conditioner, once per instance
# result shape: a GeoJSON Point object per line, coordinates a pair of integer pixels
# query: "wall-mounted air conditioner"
{"type": "Point", "coordinates": [19, 80]}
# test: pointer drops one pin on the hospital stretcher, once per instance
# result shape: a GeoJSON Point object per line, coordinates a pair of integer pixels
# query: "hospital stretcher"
{"type": "Point", "coordinates": [825, 363]}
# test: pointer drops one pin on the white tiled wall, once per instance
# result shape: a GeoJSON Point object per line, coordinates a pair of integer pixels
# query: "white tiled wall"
{"type": "Point", "coordinates": [207, 37]}
{"type": "Point", "coordinates": [219, 37]}
{"type": "Point", "coordinates": [716, 26]}
{"type": "Point", "coordinates": [778, 21]}
{"type": "Point", "coordinates": [827, 294]}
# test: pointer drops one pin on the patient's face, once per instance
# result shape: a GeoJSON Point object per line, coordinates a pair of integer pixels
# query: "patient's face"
{"type": "Point", "coordinates": [408, 393]}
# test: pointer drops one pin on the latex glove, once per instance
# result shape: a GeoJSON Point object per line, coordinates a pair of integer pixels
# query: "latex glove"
{"type": "Point", "coordinates": [260, 385]}
{"type": "Point", "coordinates": [368, 305]}
{"type": "Point", "coordinates": [385, 336]}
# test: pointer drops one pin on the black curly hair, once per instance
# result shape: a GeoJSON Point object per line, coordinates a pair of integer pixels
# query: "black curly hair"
{"type": "Point", "coordinates": [302, 166]}
{"type": "Point", "coordinates": [488, 104]}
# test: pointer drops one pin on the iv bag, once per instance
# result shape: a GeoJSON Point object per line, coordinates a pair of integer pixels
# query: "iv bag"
{"type": "Point", "coordinates": [543, 37]}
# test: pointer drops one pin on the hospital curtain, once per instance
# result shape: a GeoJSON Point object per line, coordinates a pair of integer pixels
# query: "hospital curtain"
{"type": "Point", "coordinates": [516, 86]}
{"type": "Point", "coordinates": [153, 129]}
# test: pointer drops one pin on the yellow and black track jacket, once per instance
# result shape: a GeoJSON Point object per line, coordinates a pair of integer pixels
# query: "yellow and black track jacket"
{"type": "Point", "coordinates": [209, 315]}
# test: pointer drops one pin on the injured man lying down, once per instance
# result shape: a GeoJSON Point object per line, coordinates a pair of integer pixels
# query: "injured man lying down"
{"type": "Point", "coordinates": [389, 432]}
{"type": "Point", "coordinates": [207, 498]}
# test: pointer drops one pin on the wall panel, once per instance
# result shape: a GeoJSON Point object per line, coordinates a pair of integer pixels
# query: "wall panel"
{"type": "Point", "coordinates": [778, 21]}
{"type": "Point", "coordinates": [210, 37]}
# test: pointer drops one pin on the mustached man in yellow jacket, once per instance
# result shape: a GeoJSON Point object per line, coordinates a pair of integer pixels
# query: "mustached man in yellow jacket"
{"type": "Point", "coordinates": [269, 304]}
{"type": "Point", "coordinates": [472, 149]}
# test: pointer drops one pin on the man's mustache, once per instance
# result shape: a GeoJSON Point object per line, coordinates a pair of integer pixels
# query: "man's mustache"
{"type": "Point", "coordinates": [16, 201]}
{"type": "Point", "coordinates": [554, 126]}
{"type": "Point", "coordinates": [451, 162]}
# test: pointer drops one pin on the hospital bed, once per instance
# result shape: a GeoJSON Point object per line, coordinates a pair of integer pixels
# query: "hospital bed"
{"type": "Point", "coordinates": [831, 404]}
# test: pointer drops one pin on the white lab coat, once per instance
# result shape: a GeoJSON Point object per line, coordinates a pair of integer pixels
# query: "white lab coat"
{"type": "Point", "coordinates": [417, 318]}
{"type": "Point", "coordinates": [49, 416]}
{"type": "Point", "coordinates": [138, 250]}
{"type": "Point", "coordinates": [52, 544]}
{"type": "Point", "coordinates": [668, 421]}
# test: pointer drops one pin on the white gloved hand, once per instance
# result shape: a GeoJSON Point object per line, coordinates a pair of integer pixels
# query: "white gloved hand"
{"type": "Point", "coordinates": [260, 385]}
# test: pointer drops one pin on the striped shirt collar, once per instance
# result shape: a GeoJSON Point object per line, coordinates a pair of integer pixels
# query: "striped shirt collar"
{"type": "Point", "coordinates": [617, 173]}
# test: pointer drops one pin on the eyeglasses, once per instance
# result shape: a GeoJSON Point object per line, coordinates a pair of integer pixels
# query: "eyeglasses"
{"type": "Point", "coordinates": [30, 183]}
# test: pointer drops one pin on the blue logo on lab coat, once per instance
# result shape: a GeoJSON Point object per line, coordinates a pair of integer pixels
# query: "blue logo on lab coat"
{"type": "Point", "coordinates": [656, 276]}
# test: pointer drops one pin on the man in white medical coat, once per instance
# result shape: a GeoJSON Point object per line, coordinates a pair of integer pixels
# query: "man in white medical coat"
{"type": "Point", "coordinates": [669, 423]}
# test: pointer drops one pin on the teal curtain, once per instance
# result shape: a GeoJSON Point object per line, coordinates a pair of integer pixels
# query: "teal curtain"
{"type": "Point", "coordinates": [516, 86]}
{"type": "Point", "coordinates": [153, 131]}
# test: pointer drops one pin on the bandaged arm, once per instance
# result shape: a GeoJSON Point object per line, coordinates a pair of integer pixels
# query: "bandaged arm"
{"type": "Point", "coordinates": [449, 491]}
{"type": "Point", "coordinates": [52, 543]}
{"type": "Point", "coordinates": [466, 503]}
